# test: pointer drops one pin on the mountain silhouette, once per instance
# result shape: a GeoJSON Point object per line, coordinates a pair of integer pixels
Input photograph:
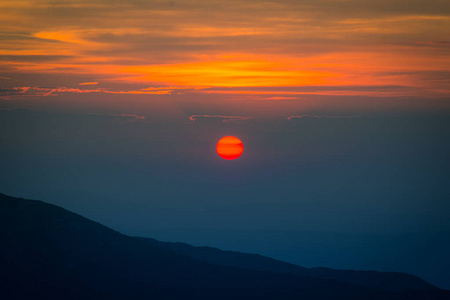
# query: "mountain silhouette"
{"type": "Point", "coordinates": [48, 252]}
{"type": "Point", "coordinates": [389, 281]}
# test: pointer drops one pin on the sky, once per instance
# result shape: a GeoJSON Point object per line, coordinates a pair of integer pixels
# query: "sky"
{"type": "Point", "coordinates": [112, 109]}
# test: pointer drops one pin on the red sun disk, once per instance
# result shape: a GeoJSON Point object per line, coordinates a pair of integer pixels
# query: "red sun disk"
{"type": "Point", "coordinates": [229, 147]}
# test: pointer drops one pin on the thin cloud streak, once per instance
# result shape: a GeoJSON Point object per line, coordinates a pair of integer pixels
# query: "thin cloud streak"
{"type": "Point", "coordinates": [323, 117]}
{"type": "Point", "coordinates": [47, 91]}
{"type": "Point", "coordinates": [225, 119]}
{"type": "Point", "coordinates": [88, 83]}
{"type": "Point", "coordinates": [126, 116]}
{"type": "Point", "coordinates": [434, 43]}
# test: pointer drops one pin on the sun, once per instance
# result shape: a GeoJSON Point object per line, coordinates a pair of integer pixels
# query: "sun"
{"type": "Point", "coordinates": [229, 147]}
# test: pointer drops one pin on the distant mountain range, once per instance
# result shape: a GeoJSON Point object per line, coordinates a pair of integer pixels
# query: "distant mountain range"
{"type": "Point", "coordinates": [48, 252]}
{"type": "Point", "coordinates": [388, 281]}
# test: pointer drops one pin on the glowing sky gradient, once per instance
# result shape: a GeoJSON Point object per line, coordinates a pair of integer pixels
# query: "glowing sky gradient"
{"type": "Point", "coordinates": [113, 108]}
{"type": "Point", "coordinates": [241, 50]}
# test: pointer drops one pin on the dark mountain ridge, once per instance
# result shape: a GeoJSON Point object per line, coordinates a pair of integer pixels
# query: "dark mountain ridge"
{"type": "Point", "coordinates": [48, 252]}
{"type": "Point", "coordinates": [389, 281]}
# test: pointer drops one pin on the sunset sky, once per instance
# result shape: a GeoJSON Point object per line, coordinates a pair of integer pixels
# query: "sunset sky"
{"type": "Point", "coordinates": [113, 108]}
{"type": "Point", "coordinates": [233, 50]}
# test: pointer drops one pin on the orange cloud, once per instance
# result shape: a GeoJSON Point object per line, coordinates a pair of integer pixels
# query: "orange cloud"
{"type": "Point", "coordinates": [139, 92]}
{"type": "Point", "coordinates": [88, 83]}
{"type": "Point", "coordinates": [44, 91]}
{"type": "Point", "coordinates": [432, 43]}
{"type": "Point", "coordinates": [188, 48]}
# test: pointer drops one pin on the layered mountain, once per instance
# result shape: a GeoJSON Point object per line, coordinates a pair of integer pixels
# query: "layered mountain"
{"type": "Point", "coordinates": [48, 252]}
{"type": "Point", "coordinates": [388, 281]}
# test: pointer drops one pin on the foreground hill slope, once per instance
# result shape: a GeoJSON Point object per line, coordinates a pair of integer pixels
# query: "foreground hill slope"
{"type": "Point", "coordinates": [388, 281]}
{"type": "Point", "coordinates": [50, 253]}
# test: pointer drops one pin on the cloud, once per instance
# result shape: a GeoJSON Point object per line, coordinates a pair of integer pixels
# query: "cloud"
{"type": "Point", "coordinates": [20, 92]}
{"type": "Point", "coordinates": [88, 83]}
{"type": "Point", "coordinates": [140, 92]}
{"type": "Point", "coordinates": [226, 119]}
{"type": "Point", "coordinates": [14, 92]}
{"type": "Point", "coordinates": [289, 92]}
{"type": "Point", "coordinates": [307, 88]}
{"type": "Point", "coordinates": [166, 88]}
{"type": "Point", "coordinates": [323, 117]}
{"type": "Point", "coordinates": [53, 91]}
{"type": "Point", "coordinates": [279, 98]}
{"type": "Point", "coordinates": [202, 43]}
{"type": "Point", "coordinates": [434, 43]}
{"type": "Point", "coordinates": [126, 116]}
{"type": "Point", "coordinates": [33, 58]}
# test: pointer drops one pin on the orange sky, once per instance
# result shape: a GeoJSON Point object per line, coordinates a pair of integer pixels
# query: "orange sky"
{"type": "Point", "coordinates": [267, 50]}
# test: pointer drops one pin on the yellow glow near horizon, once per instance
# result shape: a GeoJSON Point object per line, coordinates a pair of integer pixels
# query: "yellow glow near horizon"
{"type": "Point", "coordinates": [229, 73]}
